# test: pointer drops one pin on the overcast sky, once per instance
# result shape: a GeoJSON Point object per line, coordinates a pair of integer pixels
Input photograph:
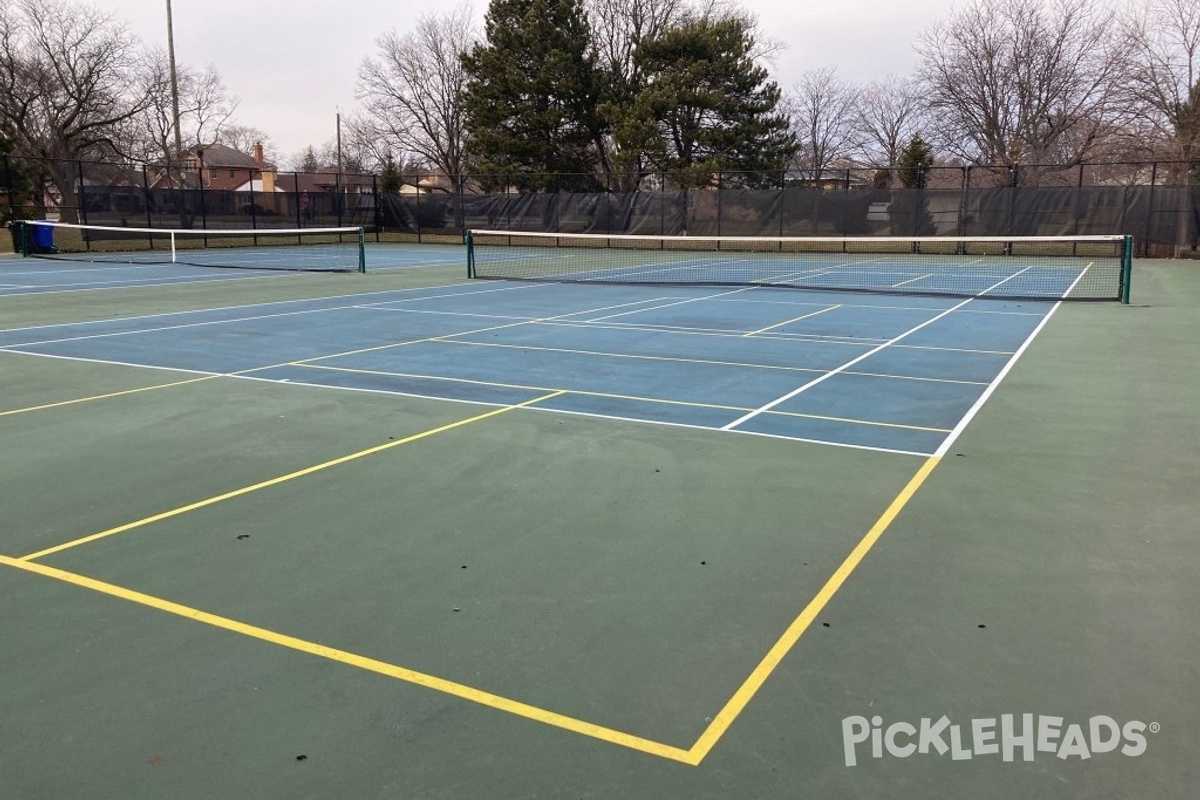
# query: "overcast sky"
{"type": "Point", "coordinates": [292, 63]}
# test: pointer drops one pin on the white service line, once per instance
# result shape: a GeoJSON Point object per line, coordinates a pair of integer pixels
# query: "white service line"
{"type": "Point", "coordinates": [98, 287]}
{"type": "Point", "coordinates": [321, 299]}
{"type": "Point", "coordinates": [669, 305]}
{"type": "Point", "coordinates": [987, 393]}
{"type": "Point", "coordinates": [202, 323]}
{"type": "Point", "coordinates": [983, 398]}
{"type": "Point", "coordinates": [805, 387]}
{"type": "Point", "coordinates": [589, 414]}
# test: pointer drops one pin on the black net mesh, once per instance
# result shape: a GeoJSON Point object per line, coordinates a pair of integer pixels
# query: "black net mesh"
{"type": "Point", "coordinates": [1076, 268]}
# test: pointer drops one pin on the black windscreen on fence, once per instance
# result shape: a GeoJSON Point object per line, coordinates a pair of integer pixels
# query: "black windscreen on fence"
{"type": "Point", "coordinates": [1151, 202]}
{"type": "Point", "coordinates": [1163, 216]}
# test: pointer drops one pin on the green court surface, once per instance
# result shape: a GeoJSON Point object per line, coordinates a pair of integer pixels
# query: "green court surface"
{"type": "Point", "coordinates": [213, 585]}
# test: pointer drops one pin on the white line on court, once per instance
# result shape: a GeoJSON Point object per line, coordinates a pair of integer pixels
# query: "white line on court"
{"type": "Point", "coordinates": [685, 360]}
{"type": "Point", "coordinates": [468, 290]}
{"type": "Point", "coordinates": [201, 323]}
{"type": "Point", "coordinates": [589, 414]}
{"type": "Point", "coordinates": [878, 306]}
{"type": "Point", "coordinates": [987, 393]}
{"type": "Point", "coordinates": [983, 398]}
{"type": "Point", "coordinates": [669, 305]}
{"type": "Point", "coordinates": [69, 288]}
{"type": "Point", "coordinates": [443, 399]}
{"type": "Point", "coordinates": [805, 387]}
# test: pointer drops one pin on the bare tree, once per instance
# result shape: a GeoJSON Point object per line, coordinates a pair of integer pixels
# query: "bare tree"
{"type": "Point", "coordinates": [204, 109]}
{"type": "Point", "coordinates": [1163, 73]}
{"type": "Point", "coordinates": [1022, 81]}
{"type": "Point", "coordinates": [763, 47]}
{"type": "Point", "coordinates": [67, 85]}
{"type": "Point", "coordinates": [244, 137]}
{"type": "Point", "coordinates": [823, 110]}
{"type": "Point", "coordinates": [619, 26]}
{"type": "Point", "coordinates": [355, 156]}
{"type": "Point", "coordinates": [412, 91]}
{"type": "Point", "coordinates": [889, 115]}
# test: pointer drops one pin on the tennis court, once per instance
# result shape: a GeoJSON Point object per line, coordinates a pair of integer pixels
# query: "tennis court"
{"type": "Point", "coordinates": [402, 533]}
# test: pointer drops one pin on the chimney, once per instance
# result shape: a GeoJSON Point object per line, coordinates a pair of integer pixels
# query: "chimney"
{"type": "Point", "coordinates": [258, 154]}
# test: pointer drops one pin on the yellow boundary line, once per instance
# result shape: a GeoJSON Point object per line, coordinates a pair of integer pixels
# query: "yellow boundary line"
{"type": "Point", "coordinates": [175, 512]}
{"type": "Point", "coordinates": [122, 393]}
{"type": "Point", "coordinates": [692, 756]}
{"type": "Point", "coordinates": [726, 716]}
{"type": "Point", "coordinates": [362, 662]}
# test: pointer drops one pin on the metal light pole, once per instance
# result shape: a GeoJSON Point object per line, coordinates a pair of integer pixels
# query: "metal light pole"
{"type": "Point", "coordinates": [339, 166]}
{"type": "Point", "coordinates": [174, 83]}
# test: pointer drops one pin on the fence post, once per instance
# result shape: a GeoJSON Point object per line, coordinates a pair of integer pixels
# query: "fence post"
{"type": "Point", "coordinates": [608, 206]}
{"type": "Point", "coordinates": [81, 207]}
{"type": "Point", "coordinates": [458, 183]}
{"type": "Point", "coordinates": [964, 203]}
{"type": "Point", "coordinates": [253, 205]}
{"type": "Point", "coordinates": [417, 196]}
{"type": "Point", "coordinates": [146, 197]}
{"type": "Point", "coordinates": [8, 186]}
{"type": "Point", "coordinates": [720, 188]}
{"type": "Point", "coordinates": [1078, 199]}
{"type": "Point", "coordinates": [662, 204]}
{"type": "Point", "coordinates": [296, 199]}
{"type": "Point", "coordinates": [1149, 211]}
{"type": "Point", "coordinates": [376, 209]}
{"type": "Point", "coordinates": [201, 196]}
{"type": "Point", "coordinates": [782, 201]}
{"type": "Point", "coordinates": [1011, 209]}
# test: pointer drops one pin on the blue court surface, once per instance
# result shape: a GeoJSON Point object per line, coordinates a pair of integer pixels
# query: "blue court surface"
{"type": "Point", "coordinates": [877, 372]}
{"type": "Point", "coordinates": [75, 273]}
{"type": "Point", "coordinates": [406, 534]}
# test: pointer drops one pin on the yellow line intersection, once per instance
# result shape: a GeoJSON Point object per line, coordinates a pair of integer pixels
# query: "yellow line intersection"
{"type": "Point", "coordinates": [693, 755]}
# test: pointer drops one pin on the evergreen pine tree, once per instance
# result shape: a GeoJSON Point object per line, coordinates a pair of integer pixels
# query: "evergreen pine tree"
{"type": "Point", "coordinates": [910, 211]}
{"type": "Point", "coordinates": [706, 107]}
{"type": "Point", "coordinates": [530, 100]}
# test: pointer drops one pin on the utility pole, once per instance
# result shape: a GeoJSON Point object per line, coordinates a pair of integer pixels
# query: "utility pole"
{"type": "Point", "coordinates": [174, 84]}
{"type": "Point", "coordinates": [339, 166]}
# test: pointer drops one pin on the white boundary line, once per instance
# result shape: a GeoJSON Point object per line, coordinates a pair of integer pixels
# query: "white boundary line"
{"type": "Point", "coordinates": [983, 398]}
{"type": "Point", "coordinates": [201, 323]}
{"type": "Point", "coordinates": [320, 299]}
{"type": "Point", "coordinates": [947, 443]}
{"type": "Point", "coordinates": [443, 399]}
{"type": "Point", "coordinates": [139, 284]}
{"type": "Point", "coordinates": [589, 414]}
{"type": "Point", "coordinates": [668, 305]}
{"type": "Point", "coordinates": [987, 393]}
{"type": "Point", "coordinates": [805, 387]}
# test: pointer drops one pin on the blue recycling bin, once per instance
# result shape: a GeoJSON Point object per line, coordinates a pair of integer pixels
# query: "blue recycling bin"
{"type": "Point", "coordinates": [43, 238]}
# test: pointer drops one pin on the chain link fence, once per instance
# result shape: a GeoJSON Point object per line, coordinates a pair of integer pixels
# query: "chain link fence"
{"type": "Point", "coordinates": [1153, 201]}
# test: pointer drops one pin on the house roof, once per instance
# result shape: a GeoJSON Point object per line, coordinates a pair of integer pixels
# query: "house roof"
{"type": "Point", "coordinates": [221, 156]}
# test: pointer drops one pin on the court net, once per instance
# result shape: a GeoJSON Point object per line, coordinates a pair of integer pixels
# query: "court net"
{"type": "Point", "coordinates": [300, 249]}
{"type": "Point", "coordinates": [1061, 267]}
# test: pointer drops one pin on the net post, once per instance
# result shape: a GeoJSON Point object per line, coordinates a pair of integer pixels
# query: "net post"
{"type": "Point", "coordinates": [362, 249]}
{"type": "Point", "coordinates": [1126, 268]}
{"type": "Point", "coordinates": [470, 242]}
